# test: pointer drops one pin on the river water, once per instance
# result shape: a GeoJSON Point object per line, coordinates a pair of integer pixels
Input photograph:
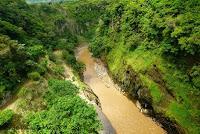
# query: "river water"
{"type": "Point", "coordinates": [122, 113]}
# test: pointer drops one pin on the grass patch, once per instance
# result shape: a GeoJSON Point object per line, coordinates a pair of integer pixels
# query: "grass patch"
{"type": "Point", "coordinates": [183, 107]}
{"type": "Point", "coordinates": [115, 59]}
{"type": "Point", "coordinates": [142, 61]}
{"type": "Point", "coordinates": [154, 89]}
{"type": "Point", "coordinates": [183, 116]}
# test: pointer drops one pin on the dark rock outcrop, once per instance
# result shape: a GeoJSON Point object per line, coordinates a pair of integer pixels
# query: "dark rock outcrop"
{"type": "Point", "coordinates": [133, 87]}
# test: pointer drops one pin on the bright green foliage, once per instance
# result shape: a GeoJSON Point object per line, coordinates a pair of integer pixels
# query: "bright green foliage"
{"type": "Point", "coordinates": [5, 117]}
{"type": "Point", "coordinates": [154, 88]}
{"type": "Point", "coordinates": [65, 113]}
{"type": "Point", "coordinates": [59, 88]}
{"type": "Point", "coordinates": [36, 51]}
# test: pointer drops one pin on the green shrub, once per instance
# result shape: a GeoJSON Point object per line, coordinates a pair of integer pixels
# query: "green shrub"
{"type": "Point", "coordinates": [69, 57]}
{"type": "Point", "coordinates": [52, 57]}
{"type": "Point", "coordinates": [71, 60]}
{"type": "Point", "coordinates": [79, 67]}
{"type": "Point", "coordinates": [2, 89]}
{"type": "Point", "coordinates": [5, 116]}
{"type": "Point", "coordinates": [65, 113]}
{"type": "Point", "coordinates": [69, 115]}
{"type": "Point", "coordinates": [34, 76]}
{"type": "Point", "coordinates": [36, 51]}
{"type": "Point", "coordinates": [41, 69]}
{"type": "Point", "coordinates": [60, 88]}
{"type": "Point", "coordinates": [195, 76]}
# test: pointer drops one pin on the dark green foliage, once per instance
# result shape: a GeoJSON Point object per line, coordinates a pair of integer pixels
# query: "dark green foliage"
{"type": "Point", "coordinates": [178, 22]}
{"type": "Point", "coordinates": [41, 67]}
{"type": "Point", "coordinates": [5, 117]}
{"type": "Point", "coordinates": [69, 57]}
{"type": "Point", "coordinates": [99, 46]}
{"type": "Point", "coordinates": [86, 14]}
{"type": "Point", "coordinates": [172, 25]}
{"type": "Point", "coordinates": [13, 66]}
{"type": "Point", "coordinates": [195, 76]}
{"type": "Point", "coordinates": [79, 67]}
{"type": "Point", "coordinates": [71, 60]}
{"type": "Point", "coordinates": [65, 113]}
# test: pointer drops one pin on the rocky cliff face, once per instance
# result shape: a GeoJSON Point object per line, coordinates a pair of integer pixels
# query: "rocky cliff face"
{"type": "Point", "coordinates": [132, 85]}
{"type": "Point", "coordinates": [134, 88]}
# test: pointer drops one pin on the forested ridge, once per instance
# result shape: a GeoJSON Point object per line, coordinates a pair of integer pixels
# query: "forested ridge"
{"type": "Point", "coordinates": [151, 49]}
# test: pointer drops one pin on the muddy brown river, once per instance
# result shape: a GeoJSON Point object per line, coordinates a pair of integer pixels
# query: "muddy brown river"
{"type": "Point", "coordinates": [122, 113]}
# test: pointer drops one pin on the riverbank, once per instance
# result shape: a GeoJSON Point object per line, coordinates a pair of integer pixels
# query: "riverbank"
{"type": "Point", "coordinates": [30, 98]}
{"type": "Point", "coordinates": [123, 114]}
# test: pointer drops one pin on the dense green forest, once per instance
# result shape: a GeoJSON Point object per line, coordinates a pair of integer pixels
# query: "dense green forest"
{"type": "Point", "coordinates": [151, 49]}
{"type": "Point", "coordinates": [29, 36]}
{"type": "Point", "coordinates": [28, 33]}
